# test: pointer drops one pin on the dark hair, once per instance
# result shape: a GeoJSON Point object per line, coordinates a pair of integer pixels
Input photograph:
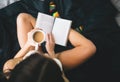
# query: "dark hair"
{"type": "Point", "coordinates": [36, 68]}
{"type": "Point", "coordinates": [2, 77]}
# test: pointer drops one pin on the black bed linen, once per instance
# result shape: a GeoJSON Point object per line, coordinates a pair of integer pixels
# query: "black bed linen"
{"type": "Point", "coordinates": [96, 16]}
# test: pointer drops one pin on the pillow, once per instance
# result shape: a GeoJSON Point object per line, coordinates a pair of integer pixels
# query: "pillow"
{"type": "Point", "coordinates": [4, 3]}
{"type": "Point", "coordinates": [117, 5]}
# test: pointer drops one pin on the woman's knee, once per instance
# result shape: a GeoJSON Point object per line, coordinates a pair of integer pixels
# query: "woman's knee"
{"type": "Point", "coordinates": [23, 17]}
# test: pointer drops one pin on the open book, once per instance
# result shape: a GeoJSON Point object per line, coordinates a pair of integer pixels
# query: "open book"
{"type": "Point", "coordinates": [58, 26]}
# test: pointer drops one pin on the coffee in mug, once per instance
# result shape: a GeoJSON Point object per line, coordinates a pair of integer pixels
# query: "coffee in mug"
{"type": "Point", "coordinates": [38, 36]}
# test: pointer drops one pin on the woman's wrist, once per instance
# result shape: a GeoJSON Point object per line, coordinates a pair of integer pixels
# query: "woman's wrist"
{"type": "Point", "coordinates": [52, 54]}
{"type": "Point", "coordinates": [29, 46]}
{"type": "Point", "coordinates": [26, 48]}
{"type": "Point", "coordinates": [58, 55]}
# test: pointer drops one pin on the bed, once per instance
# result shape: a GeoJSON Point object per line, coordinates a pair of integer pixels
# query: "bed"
{"type": "Point", "coordinates": [101, 25]}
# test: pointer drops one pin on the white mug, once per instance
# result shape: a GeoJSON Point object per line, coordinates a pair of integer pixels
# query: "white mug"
{"type": "Point", "coordinates": [38, 37]}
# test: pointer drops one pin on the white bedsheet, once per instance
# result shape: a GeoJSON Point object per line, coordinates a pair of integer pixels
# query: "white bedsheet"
{"type": "Point", "coordinates": [4, 3]}
{"type": "Point", "coordinates": [117, 5]}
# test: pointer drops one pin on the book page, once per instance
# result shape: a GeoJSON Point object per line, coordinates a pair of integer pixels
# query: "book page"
{"type": "Point", "coordinates": [60, 31]}
{"type": "Point", "coordinates": [45, 22]}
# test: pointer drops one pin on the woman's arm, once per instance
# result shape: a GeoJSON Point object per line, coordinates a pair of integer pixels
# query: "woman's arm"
{"type": "Point", "coordinates": [83, 49]}
{"type": "Point", "coordinates": [23, 51]}
{"type": "Point", "coordinates": [28, 46]}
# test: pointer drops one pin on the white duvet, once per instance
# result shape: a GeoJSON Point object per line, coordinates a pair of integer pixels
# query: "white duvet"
{"type": "Point", "coordinates": [4, 3]}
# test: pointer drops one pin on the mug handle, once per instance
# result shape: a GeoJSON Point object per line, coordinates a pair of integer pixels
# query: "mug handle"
{"type": "Point", "coordinates": [36, 46]}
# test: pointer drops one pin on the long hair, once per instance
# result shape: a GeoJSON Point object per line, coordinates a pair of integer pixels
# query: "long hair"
{"type": "Point", "coordinates": [36, 68]}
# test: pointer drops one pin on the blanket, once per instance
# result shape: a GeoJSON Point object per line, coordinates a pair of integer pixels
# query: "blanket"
{"type": "Point", "coordinates": [5, 3]}
{"type": "Point", "coordinates": [97, 17]}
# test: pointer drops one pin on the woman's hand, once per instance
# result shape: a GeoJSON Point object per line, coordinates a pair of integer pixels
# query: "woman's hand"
{"type": "Point", "coordinates": [30, 40]}
{"type": "Point", "coordinates": [11, 63]}
{"type": "Point", "coordinates": [50, 45]}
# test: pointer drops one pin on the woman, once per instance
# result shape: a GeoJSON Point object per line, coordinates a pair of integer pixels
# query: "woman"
{"type": "Point", "coordinates": [82, 50]}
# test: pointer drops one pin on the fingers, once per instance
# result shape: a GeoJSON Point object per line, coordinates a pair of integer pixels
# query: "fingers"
{"type": "Point", "coordinates": [47, 38]}
{"type": "Point", "coordinates": [50, 44]}
{"type": "Point", "coordinates": [50, 38]}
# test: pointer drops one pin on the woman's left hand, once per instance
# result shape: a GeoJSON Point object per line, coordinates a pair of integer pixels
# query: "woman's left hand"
{"type": "Point", "coordinates": [50, 45]}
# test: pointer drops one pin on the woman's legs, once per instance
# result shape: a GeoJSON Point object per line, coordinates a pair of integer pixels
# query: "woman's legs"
{"type": "Point", "coordinates": [25, 23]}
